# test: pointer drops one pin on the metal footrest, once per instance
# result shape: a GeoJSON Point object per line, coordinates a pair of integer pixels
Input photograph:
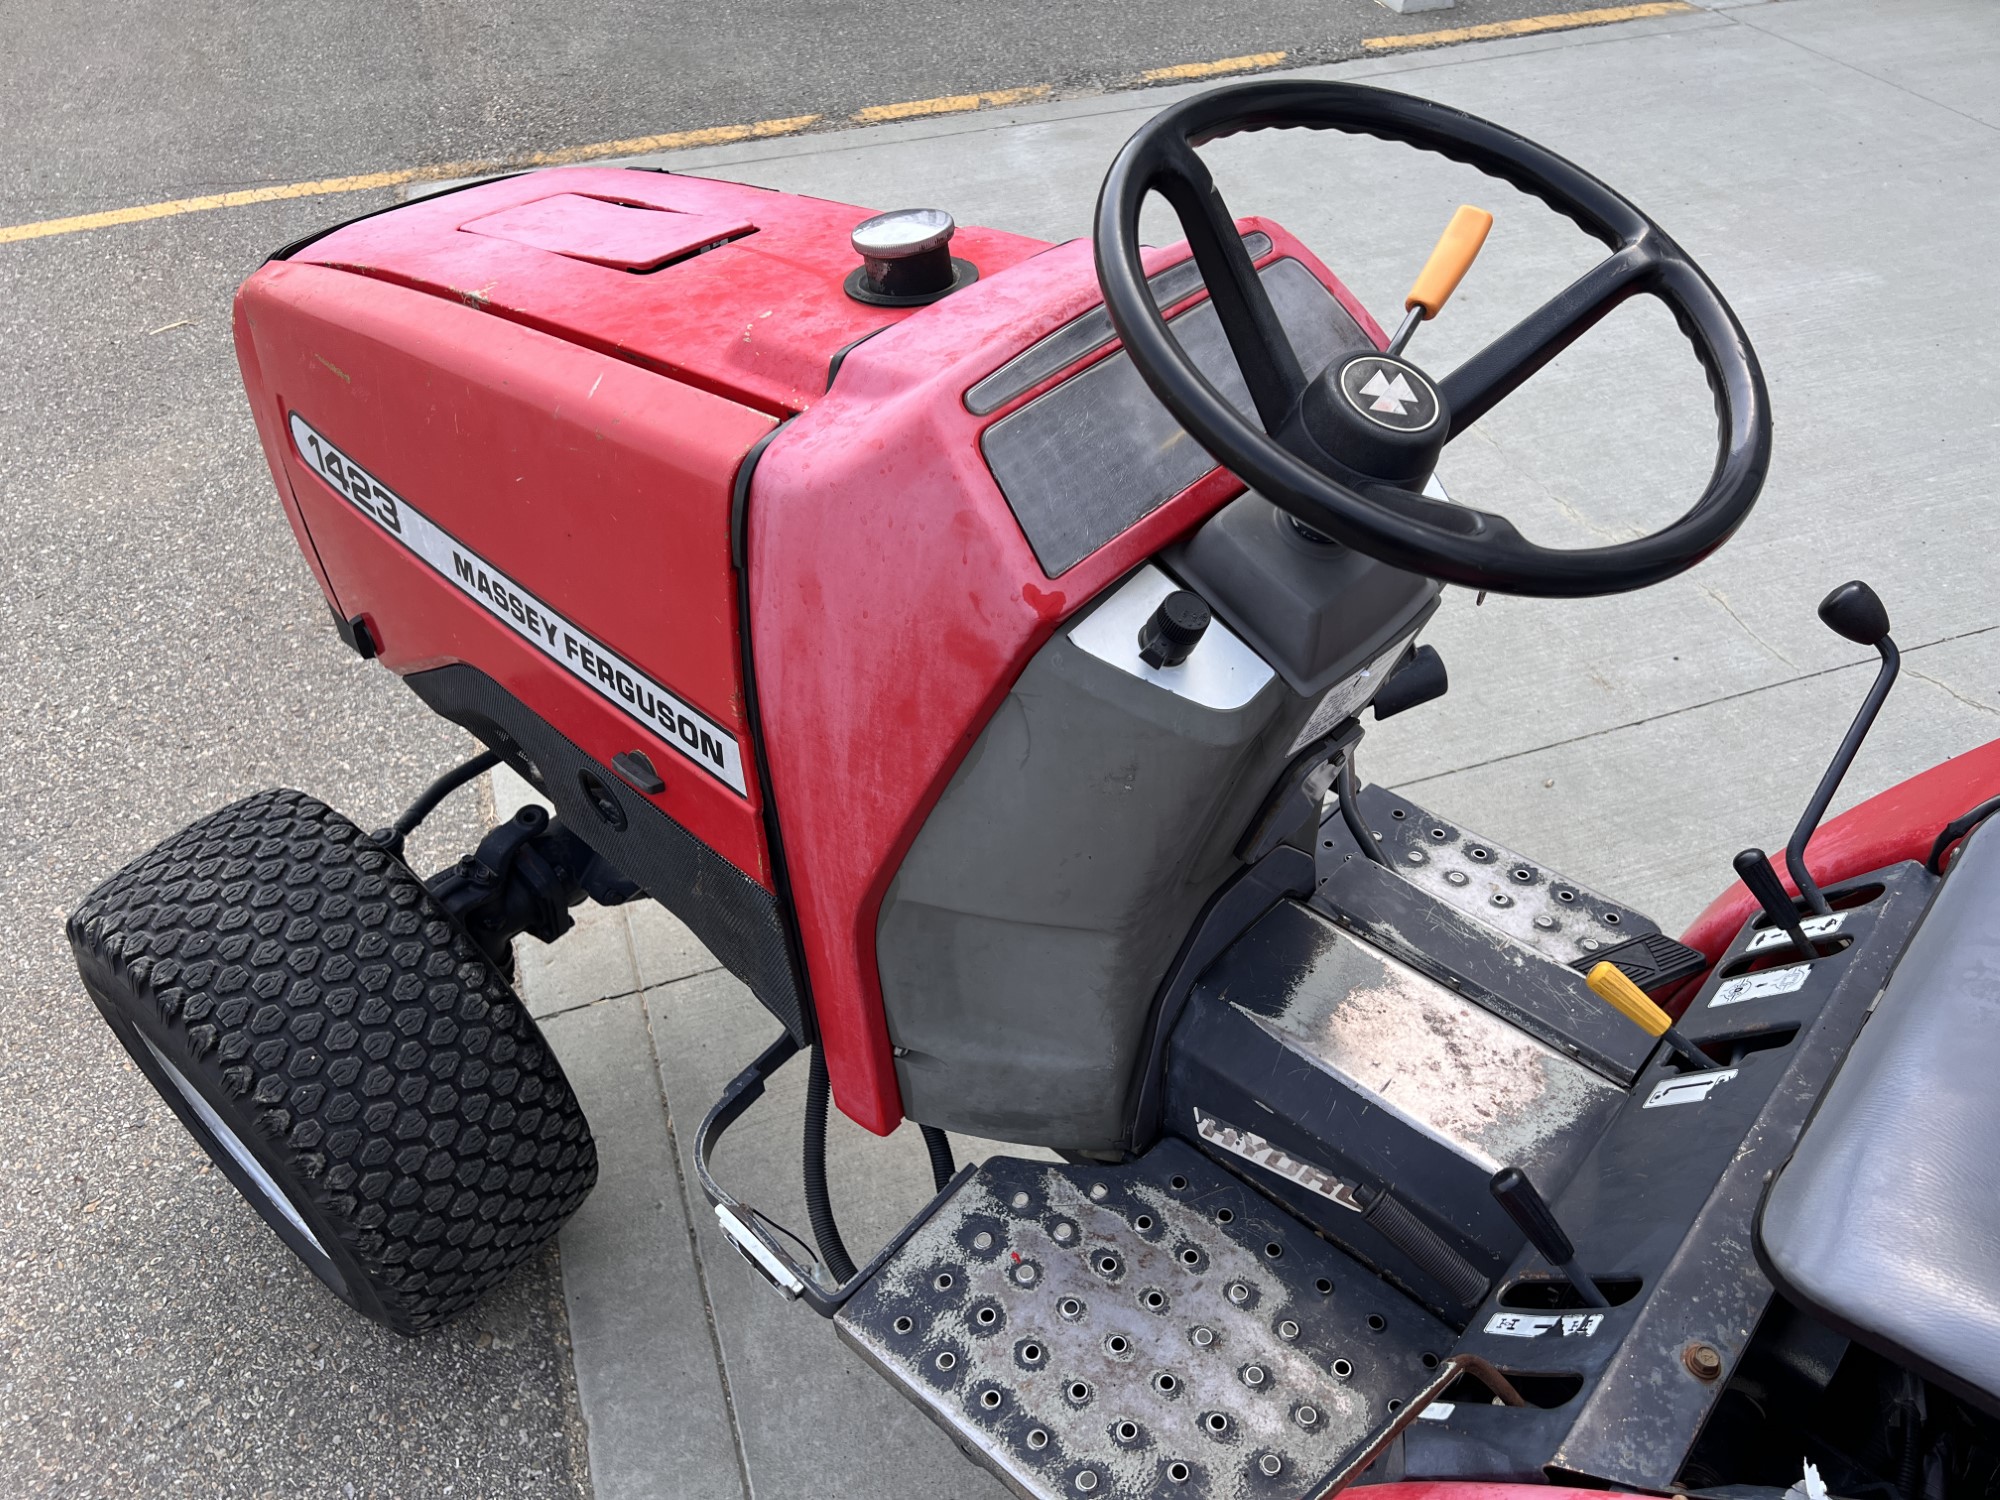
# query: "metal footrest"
{"type": "Point", "coordinates": [1156, 1329]}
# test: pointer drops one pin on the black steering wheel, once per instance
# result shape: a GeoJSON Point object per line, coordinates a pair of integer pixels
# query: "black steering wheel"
{"type": "Point", "coordinates": [1346, 449]}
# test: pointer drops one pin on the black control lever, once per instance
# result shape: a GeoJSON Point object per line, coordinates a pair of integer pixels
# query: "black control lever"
{"type": "Point", "coordinates": [1753, 867]}
{"type": "Point", "coordinates": [1526, 1208]}
{"type": "Point", "coordinates": [1855, 612]}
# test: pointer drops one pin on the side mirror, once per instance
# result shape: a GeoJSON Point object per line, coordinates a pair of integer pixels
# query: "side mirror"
{"type": "Point", "coordinates": [1856, 612]}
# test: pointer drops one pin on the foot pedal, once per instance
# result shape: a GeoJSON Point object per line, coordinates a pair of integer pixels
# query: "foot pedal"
{"type": "Point", "coordinates": [1653, 962]}
{"type": "Point", "coordinates": [1150, 1330]}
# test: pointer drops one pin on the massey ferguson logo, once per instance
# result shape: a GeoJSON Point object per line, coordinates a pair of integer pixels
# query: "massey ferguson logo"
{"type": "Point", "coordinates": [1392, 396]}
{"type": "Point", "coordinates": [1389, 393]}
{"type": "Point", "coordinates": [611, 676]}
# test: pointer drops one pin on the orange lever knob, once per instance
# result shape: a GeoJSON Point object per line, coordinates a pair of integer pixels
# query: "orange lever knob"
{"type": "Point", "coordinates": [1450, 260]}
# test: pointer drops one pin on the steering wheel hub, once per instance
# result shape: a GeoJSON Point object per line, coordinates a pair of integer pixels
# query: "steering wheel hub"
{"type": "Point", "coordinates": [1375, 419]}
{"type": "Point", "coordinates": [1390, 393]}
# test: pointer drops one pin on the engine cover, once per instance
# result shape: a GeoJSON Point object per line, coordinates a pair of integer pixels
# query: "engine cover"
{"type": "Point", "coordinates": [579, 432]}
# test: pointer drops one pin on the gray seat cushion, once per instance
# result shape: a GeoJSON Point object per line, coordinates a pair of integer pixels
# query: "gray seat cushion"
{"type": "Point", "coordinates": [1886, 1221]}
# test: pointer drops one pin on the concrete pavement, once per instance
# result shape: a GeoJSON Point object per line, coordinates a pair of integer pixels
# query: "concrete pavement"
{"type": "Point", "coordinates": [1829, 162]}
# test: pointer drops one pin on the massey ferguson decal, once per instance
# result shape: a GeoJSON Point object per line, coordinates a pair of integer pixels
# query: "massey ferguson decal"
{"type": "Point", "coordinates": [585, 658]}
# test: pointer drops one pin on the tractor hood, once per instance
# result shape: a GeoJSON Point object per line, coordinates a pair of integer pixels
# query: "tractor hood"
{"type": "Point", "coordinates": [729, 288]}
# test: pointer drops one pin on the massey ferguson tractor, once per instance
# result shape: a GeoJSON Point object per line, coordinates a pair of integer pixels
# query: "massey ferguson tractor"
{"type": "Point", "coordinates": [969, 639]}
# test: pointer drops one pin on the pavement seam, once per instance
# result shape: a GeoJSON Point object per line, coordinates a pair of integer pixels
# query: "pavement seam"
{"type": "Point", "coordinates": [1671, 713]}
{"type": "Point", "coordinates": [570, 1010]}
{"type": "Point", "coordinates": [1744, 625]}
{"type": "Point", "coordinates": [1940, 683]}
{"type": "Point", "coordinates": [694, 1250]}
{"type": "Point", "coordinates": [1841, 62]}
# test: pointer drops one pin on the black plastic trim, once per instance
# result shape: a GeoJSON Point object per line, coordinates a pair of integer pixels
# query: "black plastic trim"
{"type": "Point", "coordinates": [744, 925]}
{"type": "Point", "coordinates": [739, 498]}
{"type": "Point", "coordinates": [807, 1028]}
{"type": "Point", "coordinates": [963, 274]}
{"type": "Point", "coordinates": [840, 355]}
{"type": "Point", "coordinates": [356, 636]}
{"type": "Point", "coordinates": [1231, 912]}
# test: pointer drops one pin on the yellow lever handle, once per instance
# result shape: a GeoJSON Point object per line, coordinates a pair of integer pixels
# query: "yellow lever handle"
{"type": "Point", "coordinates": [1611, 985]}
{"type": "Point", "coordinates": [1450, 260]}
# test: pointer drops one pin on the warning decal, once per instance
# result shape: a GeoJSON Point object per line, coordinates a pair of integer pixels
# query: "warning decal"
{"type": "Point", "coordinates": [1540, 1325]}
{"type": "Point", "coordinates": [1763, 983]}
{"type": "Point", "coordinates": [695, 735]}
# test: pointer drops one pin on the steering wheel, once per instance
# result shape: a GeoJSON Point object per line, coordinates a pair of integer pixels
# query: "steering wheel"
{"type": "Point", "coordinates": [1332, 453]}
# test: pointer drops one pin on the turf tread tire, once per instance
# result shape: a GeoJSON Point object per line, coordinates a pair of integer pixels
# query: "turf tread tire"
{"type": "Point", "coordinates": [351, 1034]}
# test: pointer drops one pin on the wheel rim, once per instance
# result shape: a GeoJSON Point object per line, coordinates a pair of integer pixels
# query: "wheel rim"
{"type": "Point", "coordinates": [239, 1153]}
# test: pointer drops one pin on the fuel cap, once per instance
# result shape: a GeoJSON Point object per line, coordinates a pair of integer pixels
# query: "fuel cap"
{"type": "Point", "coordinates": [906, 259]}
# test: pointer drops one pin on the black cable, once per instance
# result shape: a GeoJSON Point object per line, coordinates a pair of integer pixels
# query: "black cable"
{"type": "Point", "coordinates": [819, 1204]}
{"type": "Point", "coordinates": [937, 1145]}
{"type": "Point", "coordinates": [1350, 811]}
{"type": "Point", "coordinates": [811, 1250]}
{"type": "Point", "coordinates": [428, 800]}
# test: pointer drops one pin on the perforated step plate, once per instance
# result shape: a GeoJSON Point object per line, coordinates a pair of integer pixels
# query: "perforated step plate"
{"type": "Point", "coordinates": [1536, 907]}
{"type": "Point", "coordinates": [1156, 1329]}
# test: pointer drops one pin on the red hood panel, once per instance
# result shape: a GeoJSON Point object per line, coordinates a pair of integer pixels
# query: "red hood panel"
{"type": "Point", "coordinates": [756, 319]}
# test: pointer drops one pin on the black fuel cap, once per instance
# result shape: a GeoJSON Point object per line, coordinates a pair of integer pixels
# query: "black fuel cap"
{"type": "Point", "coordinates": [1169, 637]}
{"type": "Point", "coordinates": [906, 259]}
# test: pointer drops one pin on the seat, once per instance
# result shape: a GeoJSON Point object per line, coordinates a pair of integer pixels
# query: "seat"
{"type": "Point", "coordinates": [1885, 1224]}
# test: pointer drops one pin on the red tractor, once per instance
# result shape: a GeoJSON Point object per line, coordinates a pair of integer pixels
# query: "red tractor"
{"type": "Point", "coordinates": [968, 638]}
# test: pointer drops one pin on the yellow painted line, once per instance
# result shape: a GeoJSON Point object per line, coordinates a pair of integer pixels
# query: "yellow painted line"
{"type": "Point", "coordinates": [951, 104]}
{"type": "Point", "coordinates": [1213, 69]}
{"type": "Point", "coordinates": [673, 140]}
{"type": "Point", "coordinates": [717, 135]}
{"type": "Point", "coordinates": [722, 135]}
{"type": "Point", "coordinates": [169, 209]}
{"type": "Point", "coordinates": [1528, 25]}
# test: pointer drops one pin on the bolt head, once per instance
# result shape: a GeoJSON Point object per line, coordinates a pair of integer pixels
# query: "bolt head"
{"type": "Point", "coordinates": [1703, 1361]}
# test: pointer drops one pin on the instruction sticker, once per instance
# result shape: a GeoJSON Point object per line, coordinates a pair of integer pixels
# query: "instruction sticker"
{"type": "Point", "coordinates": [1815, 927]}
{"type": "Point", "coordinates": [1761, 985]}
{"type": "Point", "coordinates": [696, 736]}
{"type": "Point", "coordinates": [1543, 1325]}
{"type": "Point", "coordinates": [1691, 1089]}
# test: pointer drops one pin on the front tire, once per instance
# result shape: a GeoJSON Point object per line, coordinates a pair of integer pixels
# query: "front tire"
{"type": "Point", "coordinates": [343, 1052]}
